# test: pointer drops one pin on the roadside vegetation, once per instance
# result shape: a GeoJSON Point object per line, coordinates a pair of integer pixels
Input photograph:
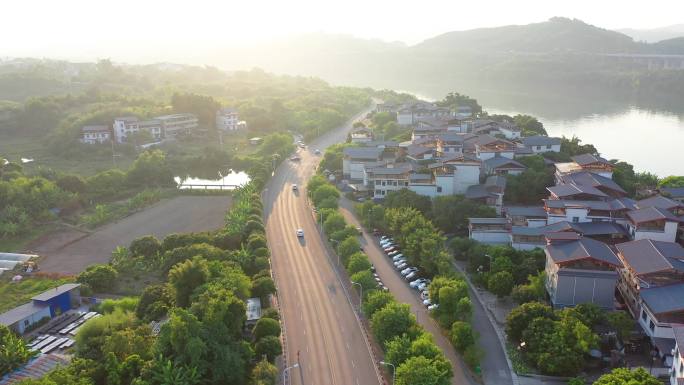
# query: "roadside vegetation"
{"type": "Point", "coordinates": [13, 294]}
{"type": "Point", "coordinates": [405, 343]}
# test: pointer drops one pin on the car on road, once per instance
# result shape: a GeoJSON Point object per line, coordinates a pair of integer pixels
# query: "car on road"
{"type": "Point", "coordinates": [317, 152]}
{"type": "Point", "coordinates": [300, 233]}
{"type": "Point", "coordinates": [294, 187]}
{"type": "Point", "coordinates": [295, 158]}
{"type": "Point", "coordinates": [414, 284]}
{"type": "Point", "coordinates": [408, 271]}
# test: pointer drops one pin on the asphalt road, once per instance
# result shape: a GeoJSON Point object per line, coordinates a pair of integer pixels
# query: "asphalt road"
{"type": "Point", "coordinates": [404, 294]}
{"type": "Point", "coordinates": [70, 252]}
{"type": "Point", "coordinates": [321, 331]}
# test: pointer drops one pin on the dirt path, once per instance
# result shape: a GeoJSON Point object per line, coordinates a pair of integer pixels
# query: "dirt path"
{"type": "Point", "coordinates": [70, 251]}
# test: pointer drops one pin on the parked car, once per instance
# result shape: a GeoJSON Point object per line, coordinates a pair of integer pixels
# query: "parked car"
{"type": "Point", "coordinates": [402, 266]}
{"type": "Point", "coordinates": [408, 271]}
{"type": "Point", "coordinates": [399, 262]}
{"type": "Point", "coordinates": [317, 152]}
{"type": "Point", "coordinates": [414, 284]}
{"type": "Point", "coordinates": [424, 286]}
{"type": "Point", "coordinates": [427, 302]}
{"type": "Point", "coordinates": [411, 275]}
{"type": "Point", "coordinates": [424, 295]}
{"type": "Point", "coordinates": [376, 232]}
{"type": "Point", "coordinates": [295, 158]}
{"type": "Point", "coordinates": [393, 253]}
{"type": "Point", "coordinates": [433, 307]}
{"type": "Point", "coordinates": [397, 257]}
{"type": "Point", "coordinates": [387, 242]}
{"type": "Point", "coordinates": [390, 248]}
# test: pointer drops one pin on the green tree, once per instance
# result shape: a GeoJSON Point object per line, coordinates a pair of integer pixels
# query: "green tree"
{"type": "Point", "coordinates": [266, 327]}
{"type": "Point", "coordinates": [392, 320]}
{"type": "Point", "coordinates": [376, 300]}
{"type": "Point", "coordinates": [501, 283]}
{"type": "Point", "coordinates": [521, 317]}
{"type": "Point", "coordinates": [529, 125]}
{"type": "Point", "coordinates": [13, 351]}
{"type": "Point", "coordinates": [155, 302]}
{"type": "Point", "coordinates": [262, 287]}
{"type": "Point", "coordinates": [323, 192]}
{"type": "Point", "coordinates": [398, 349]}
{"type": "Point", "coordinates": [348, 247]}
{"type": "Point", "coordinates": [265, 373]}
{"type": "Point", "coordinates": [268, 346]}
{"type": "Point", "coordinates": [622, 322]}
{"type": "Point", "coordinates": [186, 276]}
{"type": "Point", "coordinates": [366, 280]}
{"type": "Point", "coordinates": [358, 262]}
{"type": "Point", "coordinates": [420, 371]}
{"type": "Point", "coordinates": [147, 246]}
{"type": "Point", "coordinates": [462, 335]}
{"type": "Point", "coordinates": [334, 222]}
{"type": "Point", "coordinates": [150, 169]}
{"type": "Point", "coordinates": [623, 376]}
{"type": "Point", "coordinates": [405, 198]}
{"type": "Point", "coordinates": [99, 277]}
{"type": "Point", "coordinates": [671, 181]}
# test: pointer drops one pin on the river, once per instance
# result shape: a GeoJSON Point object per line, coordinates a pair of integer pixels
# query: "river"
{"type": "Point", "coordinates": [645, 134]}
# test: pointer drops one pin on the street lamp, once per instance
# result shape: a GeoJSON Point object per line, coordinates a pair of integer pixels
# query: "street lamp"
{"type": "Point", "coordinates": [288, 368]}
{"type": "Point", "coordinates": [360, 292]}
{"type": "Point", "coordinates": [394, 369]}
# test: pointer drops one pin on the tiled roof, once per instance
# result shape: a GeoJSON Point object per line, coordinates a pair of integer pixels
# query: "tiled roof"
{"type": "Point", "coordinates": [580, 249]}
{"type": "Point", "coordinates": [415, 150]}
{"type": "Point", "coordinates": [526, 211]}
{"type": "Point", "coordinates": [676, 192]}
{"type": "Point", "coordinates": [664, 299]}
{"type": "Point", "coordinates": [571, 189]}
{"type": "Point", "coordinates": [591, 179]}
{"type": "Point", "coordinates": [659, 201]}
{"type": "Point", "coordinates": [586, 159]}
{"type": "Point", "coordinates": [647, 256]}
{"type": "Point", "coordinates": [539, 140]}
{"type": "Point", "coordinates": [650, 214]}
{"type": "Point", "coordinates": [362, 152]}
{"type": "Point", "coordinates": [497, 221]}
{"type": "Point", "coordinates": [499, 161]}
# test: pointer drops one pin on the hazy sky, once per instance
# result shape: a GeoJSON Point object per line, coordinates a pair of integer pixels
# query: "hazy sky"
{"type": "Point", "coordinates": [100, 28]}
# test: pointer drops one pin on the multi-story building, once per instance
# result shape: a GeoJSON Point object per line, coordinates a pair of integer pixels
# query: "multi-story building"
{"type": "Point", "coordinates": [383, 180]}
{"type": "Point", "coordinates": [125, 126]}
{"type": "Point", "coordinates": [653, 223]}
{"type": "Point", "coordinates": [356, 159]}
{"type": "Point", "coordinates": [580, 270]}
{"type": "Point", "coordinates": [176, 124]}
{"type": "Point", "coordinates": [485, 147]}
{"type": "Point", "coordinates": [410, 114]}
{"type": "Point", "coordinates": [228, 120]}
{"type": "Point", "coordinates": [651, 284]}
{"type": "Point", "coordinates": [96, 134]}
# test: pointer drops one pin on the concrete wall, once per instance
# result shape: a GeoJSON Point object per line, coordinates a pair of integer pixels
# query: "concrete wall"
{"type": "Point", "coordinates": [21, 326]}
{"type": "Point", "coordinates": [405, 119]}
{"type": "Point", "coordinates": [669, 235]}
{"type": "Point", "coordinates": [423, 189]}
{"type": "Point", "coordinates": [466, 176]}
{"type": "Point", "coordinates": [491, 237]}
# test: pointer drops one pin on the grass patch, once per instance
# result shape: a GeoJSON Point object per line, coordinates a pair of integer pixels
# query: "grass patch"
{"type": "Point", "coordinates": [103, 213]}
{"type": "Point", "coordinates": [13, 294]}
{"type": "Point", "coordinates": [19, 243]}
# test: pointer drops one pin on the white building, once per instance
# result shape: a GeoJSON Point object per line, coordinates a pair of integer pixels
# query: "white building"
{"type": "Point", "coordinates": [356, 159]}
{"type": "Point", "coordinates": [96, 134]}
{"type": "Point", "coordinates": [175, 124]}
{"type": "Point", "coordinates": [383, 180]}
{"type": "Point", "coordinates": [125, 126]}
{"type": "Point", "coordinates": [227, 119]}
{"type": "Point", "coordinates": [491, 231]}
{"type": "Point", "coordinates": [653, 223]}
{"type": "Point", "coordinates": [509, 130]}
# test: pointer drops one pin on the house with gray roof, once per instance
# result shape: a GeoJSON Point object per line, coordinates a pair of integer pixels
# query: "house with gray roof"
{"type": "Point", "coordinates": [46, 305]}
{"type": "Point", "coordinates": [601, 183]}
{"type": "Point", "coordinates": [653, 223]}
{"type": "Point", "coordinates": [540, 144]}
{"type": "Point", "coordinates": [652, 275]}
{"type": "Point", "coordinates": [676, 193]}
{"type": "Point", "coordinates": [580, 270]}
{"type": "Point", "coordinates": [529, 216]}
{"type": "Point", "coordinates": [662, 202]}
{"type": "Point", "coordinates": [355, 159]}
{"type": "Point", "coordinates": [500, 165]}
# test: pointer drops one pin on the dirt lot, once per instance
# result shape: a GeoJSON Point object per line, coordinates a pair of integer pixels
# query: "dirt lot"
{"type": "Point", "coordinates": [71, 251]}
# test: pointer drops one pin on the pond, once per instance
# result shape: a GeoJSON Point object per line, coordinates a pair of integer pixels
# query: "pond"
{"type": "Point", "coordinates": [228, 181]}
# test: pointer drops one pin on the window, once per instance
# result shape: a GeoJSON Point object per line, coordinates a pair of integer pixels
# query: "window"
{"type": "Point", "coordinates": [26, 323]}
{"type": "Point", "coordinates": [538, 147]}
{"type": "Point", "coordinates": [548, 146]}
{"type": "Point", "coordinates": [643, 315]}
{"type": "Point", "coordinates": [651, 325]}
{"type": "Point", "coordinates": [575, 219]}
{"type": "Point", "coordinates": [439, 189]}
{"type": "Point", "coordinates": [377, 192]}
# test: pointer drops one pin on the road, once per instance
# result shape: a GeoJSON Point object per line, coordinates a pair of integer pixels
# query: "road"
{"type": "Point", "coordinates": [404, 294]}
{"type": "Point", "coordinates": [321, 331]}
{"type": "Point", "coordinates": [70, 251]}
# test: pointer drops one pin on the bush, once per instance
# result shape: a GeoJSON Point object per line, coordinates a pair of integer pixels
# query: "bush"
{"type": "Point", "coordinates": [462, 336]}
{"type": "Point", "coordinates": [366, 280]}
{"type": "Point", "coordinates": [501, 283]}
{"type": "Point", "coordinates": [125, 304]}
{"type": "Point", "coordinates": [268, 346]}
{"type": "Point", "coordinates": [146, 246]}
{"type": "Point", "coordinates": [376, 300]}
{"type": "Point", "coordinates": [358, 262]}
{"type": "Point", "coordinates": [348, 247]}
{"type": "Point", "coordinates": [524, 293]}
{"type": "Point", "coordinates": [271, 313]}
{"type": "Point", "coordinates": [99, 277]}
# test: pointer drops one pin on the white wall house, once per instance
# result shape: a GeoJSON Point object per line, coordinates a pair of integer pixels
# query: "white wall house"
{"type": "Point", "coordinates": [175, 124]}
{"type": "Point", "coordinates": [509, 130]}
{"type": "Point", "coordinates": [123, 127]}
{"type": "Point", "coordinates": [652, 223]}
{"type": "Point", "coordinates": [540, 144]}
{"type": "Point", "coordinates": [356, 159]}
{"type": "Point", "coordinates": [227, 119]}
{"type": "Point", "coordinates": [97, 134]}
{"type": "Point", "coordinates": [491, 231]}
{"type": "Point", "coordinates": [383, 180]}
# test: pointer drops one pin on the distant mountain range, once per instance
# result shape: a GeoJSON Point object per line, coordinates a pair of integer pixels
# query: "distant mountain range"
{"type": "Point", "coordinates": [656, 34]}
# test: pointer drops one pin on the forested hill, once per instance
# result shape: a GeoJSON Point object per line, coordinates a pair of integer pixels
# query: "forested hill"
{"type": "Point", "coordinates": [555, 35]}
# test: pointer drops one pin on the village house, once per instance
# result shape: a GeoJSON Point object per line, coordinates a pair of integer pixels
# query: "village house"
{"type": "Point", "coordinates": [176, 124]}
{"type": "Point", "coordinates": [500, 165]}
{"type": "Point", "coordinates": [539, 144]}
{"type": "Point", "coordinates": [125, 126]}
{"type": "Point", "coordinates": [674, 193]}
{"type": "Point", "coordinates": [491, 231]}
{"type": "Point", "coordinates": [528, 216]}
{"type": "Point", "coordinates": [355, 160]}
{"type": "Point", "coordinates": [528, 238]}
{"type": "Point", "coordinates": [651, 284]}
{"type": "Point", "coordinates": [490, 193]}
{"type": "Point", "coordinates": [95, 134]}
{"type": "Point", "coordinates": [509, 130]}
{"type": "Point", "coordinates": [409, 114]}
{"type": "Point", "coordinates": [580, 270]}
{"type": "Point", "coordinates": [449, 176]}
{"type": "Point", "coordinates": [228, 120]}
{"type": "Point", "coordinates": [485, 147]}
{"type": "Point", "coordinates": [586, 162]}
{"type": "Point", "coordinates": [44, 306]}
{"type": "Point", "coordinates": [653, 223]}
{"type": "Point", "coordinates": [385, 179]}
{"type": "Point", "coordinates": [361, 135]}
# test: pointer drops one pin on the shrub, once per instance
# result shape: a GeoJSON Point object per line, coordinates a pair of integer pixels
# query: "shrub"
{"type": "Point", "coordinates": [462, 335]}
{"type": "Point", "coordinates": [358, 262]}
{"type": "Point", "coordinates": [146, 246]}
{"type": "Point", "coordinates": [268, 346]}
{"type": "Point", "coordinates": [501, 283]}
{"type": "Point", "coordinates": [266, 327]}
{"type": "Point", "coordinates": [99, 277]}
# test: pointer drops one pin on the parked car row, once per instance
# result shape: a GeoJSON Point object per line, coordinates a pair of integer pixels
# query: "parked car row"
{"type": "Point", "coordinates": [378, 280]}
{"type": "Point", "coordinates": [410, 273]}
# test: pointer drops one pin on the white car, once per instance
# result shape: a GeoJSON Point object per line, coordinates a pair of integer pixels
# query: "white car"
{"type": "Point", "coordinates": [398, 257]}
{"type": "Point", "coordinates": [294, 187]}
{"type": "Point", "coordinates": [384, 238]}
{"type": "Point", "coordinates": [424, 286]}
{"type": "Point", "coordinates": [402, 266]}
{"type": "Point", "coordinates": [417, 282]}
{"type": "Point", "coordinates": [411, 275]}
{"type": "Point", "coordinates": [433, 307]}
{"type": "Point", "coordinates": [427, 302]}
{"type": "Point", "coordinates": [399, 262]}
{"type": "Point", "coordinates": [408, 271]}
{"type": "Point", "coordinates": [424, 295]}
{"type": "Point", "coordinates": [317, 152]}
{"type": "Point", "coordinates": [300, 233]}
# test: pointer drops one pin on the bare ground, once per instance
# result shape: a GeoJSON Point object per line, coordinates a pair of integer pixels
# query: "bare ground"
{"type": "Point", "coordinates": [71, 251]}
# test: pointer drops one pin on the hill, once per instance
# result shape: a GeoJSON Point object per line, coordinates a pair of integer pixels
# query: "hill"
{"type": "Point", "coordinates": [655, 34]}
{"type": "Point", "coordinates": [555, 35]}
